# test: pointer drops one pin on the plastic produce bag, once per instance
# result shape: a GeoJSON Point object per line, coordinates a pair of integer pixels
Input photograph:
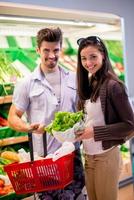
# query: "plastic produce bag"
{"type": "Point", "coordinates": [69, 134]}
{"type": "Point", "coordinates": [65, 149]}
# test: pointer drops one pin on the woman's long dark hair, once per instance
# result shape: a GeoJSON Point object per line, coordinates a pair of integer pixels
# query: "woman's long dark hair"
{"type": "Point", "coordinates": [90, 88]}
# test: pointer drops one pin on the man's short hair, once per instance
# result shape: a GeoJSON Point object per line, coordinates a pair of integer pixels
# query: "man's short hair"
{"type": "Point", "coordinates": [49, 35]}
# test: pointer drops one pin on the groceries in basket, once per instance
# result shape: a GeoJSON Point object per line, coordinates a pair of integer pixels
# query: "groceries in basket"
{"type": "Point", "coordinates": [65, 149]}
{"type": "Point", "coordinates": [65, 124]}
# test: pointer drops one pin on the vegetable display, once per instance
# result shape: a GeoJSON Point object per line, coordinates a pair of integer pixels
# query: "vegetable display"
{"type": "Point", "coordinates": [3, 122]}
{"type": "Point", "coordinates": [63, 121]}
{"type": "Point", "coordinates": [7, 72]}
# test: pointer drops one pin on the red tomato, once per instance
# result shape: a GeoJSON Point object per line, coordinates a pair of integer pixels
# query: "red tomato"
{"type": "Point", "coordinates": [2, 183]}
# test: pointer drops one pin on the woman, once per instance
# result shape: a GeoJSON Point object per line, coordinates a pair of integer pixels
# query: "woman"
{"type": "Point", "coordinates": [109, 118]}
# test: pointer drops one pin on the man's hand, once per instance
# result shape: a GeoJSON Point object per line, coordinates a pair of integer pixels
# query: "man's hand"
{"type": "Point", "coordinates": [35, 127]}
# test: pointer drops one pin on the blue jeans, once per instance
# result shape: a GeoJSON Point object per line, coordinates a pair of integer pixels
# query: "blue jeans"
{"type": "Point", "coordinates": [72, 191]}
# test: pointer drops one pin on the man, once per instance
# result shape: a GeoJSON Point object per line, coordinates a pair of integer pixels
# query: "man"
{"type": "Point", "coordinates": [48, 89]}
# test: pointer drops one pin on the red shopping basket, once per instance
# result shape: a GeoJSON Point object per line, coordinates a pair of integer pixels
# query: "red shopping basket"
{"type": "Point", "coordinates": [41, 175]}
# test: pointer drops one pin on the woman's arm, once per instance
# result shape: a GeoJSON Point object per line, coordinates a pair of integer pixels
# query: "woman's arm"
{"type": "Point", "coordinates": [124, 124]}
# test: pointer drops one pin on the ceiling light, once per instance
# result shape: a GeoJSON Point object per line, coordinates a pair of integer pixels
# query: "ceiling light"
{"type": "Point", "coordinates": [48, 21]}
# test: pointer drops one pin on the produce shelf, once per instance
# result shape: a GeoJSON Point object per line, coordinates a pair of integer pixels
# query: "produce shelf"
{"type": "Point", "coordinates": [5, 99]}
{"type": "Point", "coordinates": [13, 140]}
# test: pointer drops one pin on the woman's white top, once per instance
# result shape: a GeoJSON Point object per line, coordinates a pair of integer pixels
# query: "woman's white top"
{"type": "Point", "coordinates": [94, 117]}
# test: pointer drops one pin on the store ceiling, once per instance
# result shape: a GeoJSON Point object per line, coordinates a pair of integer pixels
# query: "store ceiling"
{"type": "Point", "coordinates": [107, 26]}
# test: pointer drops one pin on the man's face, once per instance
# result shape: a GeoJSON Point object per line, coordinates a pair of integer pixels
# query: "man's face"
{"type": "Point", "coordinates": [49, 53]}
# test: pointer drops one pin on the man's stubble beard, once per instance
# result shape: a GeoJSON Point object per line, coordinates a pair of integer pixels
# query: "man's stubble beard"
{"type": "Point", "coordinates": [53, 64]}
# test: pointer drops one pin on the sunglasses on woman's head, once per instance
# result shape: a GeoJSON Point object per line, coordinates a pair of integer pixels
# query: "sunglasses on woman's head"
{"type": "Point", "coordinates": [94, 39]}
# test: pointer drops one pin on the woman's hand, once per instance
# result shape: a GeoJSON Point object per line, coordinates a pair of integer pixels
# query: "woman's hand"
{"type": "Point", "coordinates": [87, 133]}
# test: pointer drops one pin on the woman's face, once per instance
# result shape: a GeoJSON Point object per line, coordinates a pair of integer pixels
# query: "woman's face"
{"type": "Point", "coordinates": [91, 59]}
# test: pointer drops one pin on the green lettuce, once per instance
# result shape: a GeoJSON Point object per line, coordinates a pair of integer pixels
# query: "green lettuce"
{"type": "Point", "coordinates": [64, 120]}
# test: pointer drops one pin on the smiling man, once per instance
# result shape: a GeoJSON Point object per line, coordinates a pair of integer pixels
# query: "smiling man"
{"type": "Point", "coordinates": [47, 90]}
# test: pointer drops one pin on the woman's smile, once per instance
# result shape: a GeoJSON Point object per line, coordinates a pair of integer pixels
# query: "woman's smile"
{"type": "Point", "coordinates": [91, 59]}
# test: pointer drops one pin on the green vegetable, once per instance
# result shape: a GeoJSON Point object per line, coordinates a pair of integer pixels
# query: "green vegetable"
{"type": "Point", "coordinates": [63, 121]}
{"type": "Point", "coordinates": [123, 148]}
{"type": "Point", "coordinates": [7, 70]}
{"type": "Point", "coordinates": [2, 170]}
{"type": "Point", "coordinates": [4, 161]}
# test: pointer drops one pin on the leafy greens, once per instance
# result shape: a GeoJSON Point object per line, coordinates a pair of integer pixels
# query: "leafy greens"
{"type": "Point", "coordinates": [63, 121]}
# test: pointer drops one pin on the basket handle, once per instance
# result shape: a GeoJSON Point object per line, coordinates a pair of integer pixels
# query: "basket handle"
{"type": "Point", "coordinates": [45, 143]}
{"type": "Point", "coordinates": [30, 139]}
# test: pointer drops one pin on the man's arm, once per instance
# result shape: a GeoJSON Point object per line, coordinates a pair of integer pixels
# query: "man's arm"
{"type": "Point", "coordinates": [15, 122]}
